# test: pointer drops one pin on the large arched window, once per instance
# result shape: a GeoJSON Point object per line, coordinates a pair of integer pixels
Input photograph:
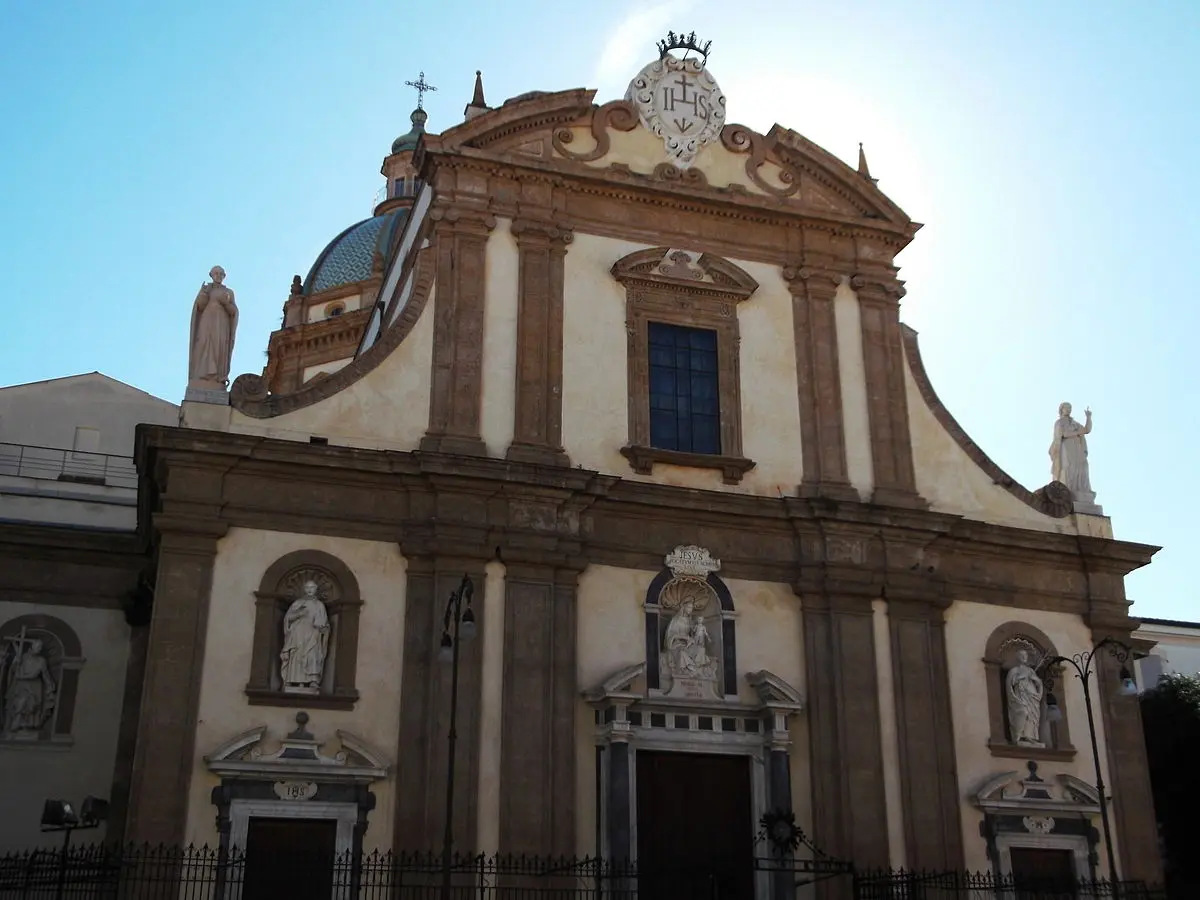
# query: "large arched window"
{"type": "Point", "coordinates": [40, 662]}
{"type": "Point", "coordinates": [306, 606]}
{"type": "Point", "coordinates": [1017, 692]}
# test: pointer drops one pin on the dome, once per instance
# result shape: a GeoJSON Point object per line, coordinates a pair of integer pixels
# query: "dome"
{"type": "Point", "coordinates": [406, 143]}
{"type": "Point", "coordinates": [350, 255]}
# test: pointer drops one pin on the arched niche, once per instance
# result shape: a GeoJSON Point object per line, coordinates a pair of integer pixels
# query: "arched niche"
{"type": "Point", "coordinates": [40, 662]}
{"type": "Point", "coordinates": [1000, 656]}
{"type": "Point", "coordinates": [691, 641]}
{"type": "Point", "coordinates": [282, 583]}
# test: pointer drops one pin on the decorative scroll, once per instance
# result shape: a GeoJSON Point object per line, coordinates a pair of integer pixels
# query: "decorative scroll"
{"type": "Point", "coordinates": [617, 114]}
{"type": "Point", "coordinates": [740, 139]}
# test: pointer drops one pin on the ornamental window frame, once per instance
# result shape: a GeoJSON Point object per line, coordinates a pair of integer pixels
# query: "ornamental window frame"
{"type": "Point", "coordinates": [693, 290]}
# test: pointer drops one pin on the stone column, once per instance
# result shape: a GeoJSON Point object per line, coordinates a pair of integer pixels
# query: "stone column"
{"type": "Point", "coordinates": [425, 711]}
{"type": "Point", "coordinates": [779, 797]}
{"type": "Point", "coordinates": [929, 795]}
{"type": "Point", "coordinates": [619, 825]}
{"type": "Point", "coordinates": [818, 380]}
{"type": "Point", "coordinates": [887, 402]}
{"type": "Point", "coordinates": [537, 782]}
{"type": "Point", "coordinates": [537, 426]}
{"type": "Point", "coordinates": [1131, 812]}
{"type": "Point", "coordinates": [460, 236]}
{"type": "Point", "coordinates": [849, 805]}
{"type": "Point", "coordinates": [164, 760]}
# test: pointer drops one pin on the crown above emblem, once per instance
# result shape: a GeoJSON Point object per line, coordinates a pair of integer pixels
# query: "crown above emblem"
{"type": "Point", "coordinates": [687, 43]}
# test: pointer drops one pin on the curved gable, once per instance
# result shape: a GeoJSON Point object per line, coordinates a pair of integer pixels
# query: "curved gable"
{"type": "Point", "coordinates": [565, 130]}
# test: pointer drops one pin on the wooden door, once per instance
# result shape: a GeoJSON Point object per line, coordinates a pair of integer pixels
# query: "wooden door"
{"type": "Point", "coordinates": [1041, 872]}
{"type": "Point", "coordinates": [289, 858]}
{"type": "Point", "coordinates": [695, 827]}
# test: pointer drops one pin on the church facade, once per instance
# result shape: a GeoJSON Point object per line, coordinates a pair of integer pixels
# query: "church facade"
{"type": "Point", "coordinates": [636, 378]}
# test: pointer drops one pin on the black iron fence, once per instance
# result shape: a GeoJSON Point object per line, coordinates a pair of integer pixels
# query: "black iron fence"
{"type": "Point", "coordinates": [905, 885]}
{"type": "Point", "coordinates": [143, 873]}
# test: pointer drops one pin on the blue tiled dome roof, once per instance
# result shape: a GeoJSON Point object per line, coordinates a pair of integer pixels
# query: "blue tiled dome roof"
{"type": "Point", "coordinates": [348, 257]}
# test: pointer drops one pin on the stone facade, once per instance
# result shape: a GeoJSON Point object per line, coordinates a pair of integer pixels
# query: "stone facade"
{"type": "Point", "coordinates": [823, 590]}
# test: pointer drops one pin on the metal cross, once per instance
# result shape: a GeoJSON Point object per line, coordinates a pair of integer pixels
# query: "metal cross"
{"type": "Point", "coordinates": [421, 86]}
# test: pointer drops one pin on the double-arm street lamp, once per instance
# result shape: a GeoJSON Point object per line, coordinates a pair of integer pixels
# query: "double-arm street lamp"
{"type": "Point", "coordinates": [1082, 664]}
{"type": "Point", "coordinates": [458, 625]}
{"type": "Point", "coordinates": [59, 815]}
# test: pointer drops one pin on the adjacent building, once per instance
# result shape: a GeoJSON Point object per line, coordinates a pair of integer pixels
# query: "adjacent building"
{"type": "Point", "coordinates": [70, 559]}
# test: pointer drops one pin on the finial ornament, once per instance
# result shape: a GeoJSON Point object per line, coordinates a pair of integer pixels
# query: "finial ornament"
{"type": "Point", "coordinates": [421, 87]}
{"type": "Point", "coordinates": [688, 43]}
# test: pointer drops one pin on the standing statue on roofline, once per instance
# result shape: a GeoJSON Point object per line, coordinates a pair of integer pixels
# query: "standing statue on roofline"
{"type": "Point", "coordinates": [1069, 456]}
{"type": "Point", "coordinates": [214, 326]}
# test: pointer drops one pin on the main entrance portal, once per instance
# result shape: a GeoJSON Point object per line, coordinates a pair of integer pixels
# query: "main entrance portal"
{"type": "Point", "coordinates": [695, 826]}
{"type": "Point", "coordinates": [290, 858]}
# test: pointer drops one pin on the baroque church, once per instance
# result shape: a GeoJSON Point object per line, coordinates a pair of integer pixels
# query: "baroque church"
{"type": "Point", "coordinates": [602, 444]}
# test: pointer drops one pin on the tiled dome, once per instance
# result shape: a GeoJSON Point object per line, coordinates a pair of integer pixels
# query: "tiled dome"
{"type": "Point", "coordinates": [348, 257]}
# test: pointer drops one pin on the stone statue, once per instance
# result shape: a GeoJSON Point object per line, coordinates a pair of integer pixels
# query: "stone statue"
{"type": "Point", "coordinates": [686, 644]}
{"type": "Point", "coordinates": [305, 642]}
{"type": "Point", "coordinates": [214, 326]}
{"type": "Point", "coordinates": [1069, 455]}
{"type": "Point", "coordinates": [30, 692]}
{"type": "Point", "coordinates": [1024, 689]}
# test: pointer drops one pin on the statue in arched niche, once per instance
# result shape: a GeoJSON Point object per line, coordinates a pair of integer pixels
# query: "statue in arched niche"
{"type": "Point", "coordinates": [29, 689]}
{"type": "Point", "coordinates": [689, 658]}
{"type": "Point", "coordinates": [305, 641]}
{"type": "Point", "coordinates": [1025, 691]}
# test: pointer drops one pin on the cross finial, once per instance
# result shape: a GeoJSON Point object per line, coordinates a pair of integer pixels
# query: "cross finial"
{"type": "Point", "coordinates": [422, 86]}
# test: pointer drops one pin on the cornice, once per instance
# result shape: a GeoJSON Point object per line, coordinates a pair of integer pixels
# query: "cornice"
{"type": "Point", "coordinates": [567, 514]}
{"type": "Point", "coordinates": [619, 182]}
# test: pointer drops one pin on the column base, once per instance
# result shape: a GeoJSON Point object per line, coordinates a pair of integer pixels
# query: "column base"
{"type": "Point", "coordinates": [538, 455]}
{"type": "Point", "coordinates": [455, 445]}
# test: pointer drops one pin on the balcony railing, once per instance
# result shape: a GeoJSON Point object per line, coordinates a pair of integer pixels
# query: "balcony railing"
{"type": "Point", "coordinates": [69, 466]}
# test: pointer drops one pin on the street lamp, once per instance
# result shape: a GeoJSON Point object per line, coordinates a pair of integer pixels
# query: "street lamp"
{"type": "Point", "coordinates": [458, 625]}
{"type": "Point", "coordinates": [58, 815]}
{"type": "Point", "coordinates": [1082, 664]}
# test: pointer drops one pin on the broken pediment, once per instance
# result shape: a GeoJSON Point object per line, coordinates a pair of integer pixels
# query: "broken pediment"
{"type": "Point", "coordinates": [1012, 793]}
{"type": "Point", "coordinates": [299, 753]}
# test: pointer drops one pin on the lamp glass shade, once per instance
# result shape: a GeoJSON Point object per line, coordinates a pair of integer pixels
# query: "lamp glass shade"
{"type": "Point", "coordinates": [58, 814]}
{"type": "Point", "coordinates": [446, 651]}
{"type": "Point", "coordinates": [466, 628]}
{"type": "Point", "coordinates": [93, 811]}
{"type": "Point", "coordinates": [1128, 686]}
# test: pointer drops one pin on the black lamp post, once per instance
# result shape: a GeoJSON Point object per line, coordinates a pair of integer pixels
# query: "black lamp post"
{"type": "Point", "coordinates": [458, 625]}
{"type": "Point", "coordinates": [1082, 664]}
{"type": "Point", "coordinates": [58, 815]}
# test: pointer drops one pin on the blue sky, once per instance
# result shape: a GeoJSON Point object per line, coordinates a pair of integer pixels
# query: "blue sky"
{"type": "Point", "coordinates": [1048, 147]}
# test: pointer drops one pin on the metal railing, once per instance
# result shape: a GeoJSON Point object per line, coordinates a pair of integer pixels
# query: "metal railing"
{"type": "Point", "coordinates": [72, 466]}
{"type": "Point", "coordinates": [193, 873]}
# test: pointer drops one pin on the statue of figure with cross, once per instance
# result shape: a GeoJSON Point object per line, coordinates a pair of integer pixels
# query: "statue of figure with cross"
{"type": "Point", "coordinates": [29, 689]}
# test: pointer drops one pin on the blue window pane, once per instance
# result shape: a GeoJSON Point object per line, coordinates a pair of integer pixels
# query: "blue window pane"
{"type": "Point", "coordinates": [684, 389]}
